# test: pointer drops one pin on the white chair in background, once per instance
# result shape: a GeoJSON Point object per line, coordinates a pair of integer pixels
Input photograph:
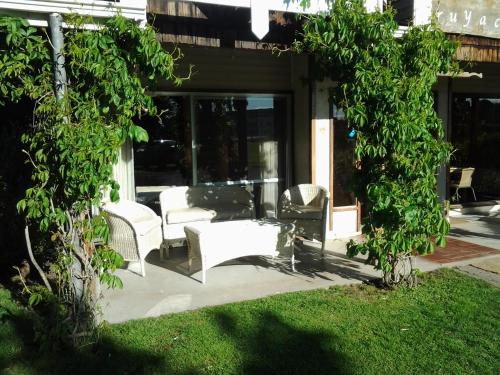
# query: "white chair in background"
{"type": "Point", "coordinates": [306, 207]}
{"type": "Point", "coordinates": [134, 230]}
{"type": "Point", "coordinates": [464, 181]}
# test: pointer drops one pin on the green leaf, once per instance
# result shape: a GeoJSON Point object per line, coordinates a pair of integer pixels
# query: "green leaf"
{"type": "Point", "coordinates": [441, 241]}
{"type": "Point", "coordinates": [114, 195]}
{"type": "Point", "coordinates": [34, 299]}
{"type": "Point", "coordinates": [140, 134]}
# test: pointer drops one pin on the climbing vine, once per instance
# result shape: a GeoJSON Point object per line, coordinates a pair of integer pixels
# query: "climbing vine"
{"type": "Point", "coordinates": [384, 86]}
{"type": "Point", "coordinates": [73, 142]}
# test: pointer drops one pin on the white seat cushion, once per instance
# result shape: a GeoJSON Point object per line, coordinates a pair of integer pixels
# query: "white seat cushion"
{"type": "Point", "coordinates": [231, 211]}
{"type": "Point", "coordinates": [144, 224]}
{"type": "Point", "coordinates": [186, 215]}
{"type": "Point", "coordinates": [294, 211]}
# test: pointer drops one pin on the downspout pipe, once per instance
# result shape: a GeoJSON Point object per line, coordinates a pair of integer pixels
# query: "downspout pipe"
{"type": "Point", "coordinates": [57, 40]}
{"type": "Point", "coordinates": [60, 83]}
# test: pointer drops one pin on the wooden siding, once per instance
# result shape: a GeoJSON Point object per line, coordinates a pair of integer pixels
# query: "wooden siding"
{"type": "Point", "coordinates": [478, 49]}
{"type": "Point", "coordinates": [175, 8]}
{"type": "Point", "coordinates": [217, 26]}
{"type": "Point", "coordinates": [234, 70]}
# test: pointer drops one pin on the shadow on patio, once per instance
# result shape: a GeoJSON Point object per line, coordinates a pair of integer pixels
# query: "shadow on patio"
{"type": "Point", "coordinates": [168, 286]}
{"type": "Point", "coordinates": [478, 229]}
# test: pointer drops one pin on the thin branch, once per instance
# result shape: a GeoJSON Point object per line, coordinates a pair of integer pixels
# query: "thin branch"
{"type": "Point", "coordinates": [33, 260]}
{"type": "Point", "coordinates": [37, 103]}
{"type": "Point", "coordinates": [59, 224]}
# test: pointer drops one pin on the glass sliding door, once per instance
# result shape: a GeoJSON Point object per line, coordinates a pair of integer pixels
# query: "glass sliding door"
{"type": "Point", "coordinates": [166, 159]}
{"type": "Point", "coordinates": [475, 136]}
{"type": "Point", "coordinates": [215, 139]}
{"type": "Point", "coordinates": [239, 140]}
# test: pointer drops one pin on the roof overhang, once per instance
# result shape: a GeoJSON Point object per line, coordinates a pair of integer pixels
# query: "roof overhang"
{"type": "Point", "coordinates": [260, 9]}
{"type": "Point", "coordinates": [37, 11]}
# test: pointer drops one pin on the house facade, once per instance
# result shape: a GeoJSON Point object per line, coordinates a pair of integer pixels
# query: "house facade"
{"type": "Point", "coordinates": [251, 115]}
{"type": "Point", "coordinates": [469, 104]}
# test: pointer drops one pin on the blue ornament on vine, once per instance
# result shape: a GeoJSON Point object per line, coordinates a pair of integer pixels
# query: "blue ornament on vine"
{"type": "Point", "coordinates": [352, 133]}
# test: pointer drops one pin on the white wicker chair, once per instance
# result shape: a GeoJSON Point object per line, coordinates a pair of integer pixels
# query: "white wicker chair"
{"type": "Point", "coordinates": [306, 207]}
{"type": "Point", "coordinates": [134, 230]}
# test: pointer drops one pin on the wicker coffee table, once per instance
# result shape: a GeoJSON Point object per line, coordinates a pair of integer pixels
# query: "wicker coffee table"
{"type": "Point", "coordinates": [216, 243]}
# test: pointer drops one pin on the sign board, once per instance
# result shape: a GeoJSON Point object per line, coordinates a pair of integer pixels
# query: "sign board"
{"type": "Point", "coordinates": [473, 17]}
{"type": "Point", "coordinates": [36, 11]}
{"type": "Point", "coordinates": [259, 14]}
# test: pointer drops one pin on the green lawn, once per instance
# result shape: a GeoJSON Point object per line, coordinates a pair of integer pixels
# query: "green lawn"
{"type": "Point", "coordinates": [448, 325]}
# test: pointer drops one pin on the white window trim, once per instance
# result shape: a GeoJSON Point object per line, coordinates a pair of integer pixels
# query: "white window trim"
{"type": "Point", "coordinates": [36, 11]}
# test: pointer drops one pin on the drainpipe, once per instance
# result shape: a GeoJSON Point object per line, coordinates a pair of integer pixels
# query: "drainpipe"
{"type": "Point", "coordinates": [60, 83]}
{"type": "Point", "coordinates": [57, 40]}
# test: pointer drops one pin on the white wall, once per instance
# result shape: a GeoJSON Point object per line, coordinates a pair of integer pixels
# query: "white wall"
{"type": "Point", "coordinates": [320, 158]}
{"type": "Point", "coordinates": [345, 224]}
{"type": "Point", "coordinates": [123, 171]}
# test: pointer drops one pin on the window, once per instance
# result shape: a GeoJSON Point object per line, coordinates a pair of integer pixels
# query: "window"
{"type": "Point", "coordinates": [215, 139]}
{"type": "Point", "coordinates": [166, 159]}
{"type": "Point", "coordinates": [475, 136]}
{"type": "Point", "coordinates": [343, 161]}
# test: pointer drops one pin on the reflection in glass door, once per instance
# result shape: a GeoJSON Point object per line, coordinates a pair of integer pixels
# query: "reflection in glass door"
{"type": "Point", "coordinates": [215, 139]}
{"type": "Point", "coordinates": [239, 141]}
{"type": "Point", "coordinates": [475, 136]}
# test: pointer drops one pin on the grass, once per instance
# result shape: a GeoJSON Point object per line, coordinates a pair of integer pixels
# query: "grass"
{"type": "Point", "coordinates": [448, 325]}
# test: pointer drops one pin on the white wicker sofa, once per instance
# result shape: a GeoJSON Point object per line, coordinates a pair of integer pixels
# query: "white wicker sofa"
{"type": "Point", "coordinates": [184, 205]}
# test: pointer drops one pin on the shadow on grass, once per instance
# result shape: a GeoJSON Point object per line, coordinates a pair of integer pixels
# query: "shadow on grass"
{"type": "Point", "coordinates": [264, 345]}
{"type": "Point", "coordinates": [107, 357]}
{"type": "Point", "coordinates": [274, 346]}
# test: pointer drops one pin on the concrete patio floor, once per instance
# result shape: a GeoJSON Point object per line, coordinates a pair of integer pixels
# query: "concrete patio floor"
{"type": "Point", "coordinates": [168, 286]}
{"type": "Point", "coordinates": [478, 229]}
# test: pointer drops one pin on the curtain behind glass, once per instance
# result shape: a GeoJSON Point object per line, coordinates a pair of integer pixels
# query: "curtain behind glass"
{"type": "Point", "coordinates": [239, 141]}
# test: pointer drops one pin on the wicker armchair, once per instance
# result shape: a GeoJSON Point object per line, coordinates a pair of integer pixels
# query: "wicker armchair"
{"type": "Point", "coordinates": [464, 181]}
{"type": "Point", "coordinates": [306, 207]}
{"type": "Point", "coordinates": [134, 230]}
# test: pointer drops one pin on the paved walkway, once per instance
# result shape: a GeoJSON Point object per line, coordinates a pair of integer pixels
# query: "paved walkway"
{"type": "Point", "coordinates": [474, 247]}
{"type": "Point", "coordinates": [481, 230]}
{"type": "Point", "coordinates": [168, 286]}
{"type": "Point", "coordinates": [458, 250]}
{"type": "Point", "coordinates": [492, 278]}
